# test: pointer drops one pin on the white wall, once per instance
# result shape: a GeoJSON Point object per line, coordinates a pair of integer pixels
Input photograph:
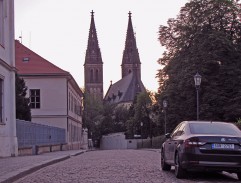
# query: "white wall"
{"type": "Point", "coordinates": [117, 141]}
{"type": "Point", "coordinates": [74, 118]}
{"type": "Point", "coordinates": [53, 101]}
{"type": "Point", "coordinates": [54, 105]}
{"type": "Point", "coordinates": [53, 95]}
{"type": "Point", "coordinates": [7, 53]}
{"type": "Point", "coordinates": [76, 96]}
{"type": "Point", "coordinates": [113, 141]}
{"type": "Point", "coordinates": [8, 139]}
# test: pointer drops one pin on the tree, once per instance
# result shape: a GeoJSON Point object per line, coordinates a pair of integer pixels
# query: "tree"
{"type": "Point", "coordinates": [206, 38]}
{"type": "Point", "coordinates": [130, 123]}
{"type": "Point", "coordinates": [107, 121]}
{"type": "Point", "coordinates": [23, 110]}
{"type": "Point", "coordinates": [142, 111]}
{"type": "Point", "coordinates": [92, 115]}
{"type": "Point", "coordinates": [121, 116]}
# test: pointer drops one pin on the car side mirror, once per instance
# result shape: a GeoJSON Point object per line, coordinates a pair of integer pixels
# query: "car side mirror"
{"type": "Point", "coordinates": [168, 135]}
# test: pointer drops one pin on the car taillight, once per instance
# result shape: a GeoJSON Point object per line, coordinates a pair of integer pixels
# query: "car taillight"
{"type": "Point", "coordinates": [193, 142]}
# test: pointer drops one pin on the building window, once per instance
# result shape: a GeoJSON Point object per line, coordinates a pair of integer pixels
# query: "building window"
{"type": "Point", "coordinates": [1, 101]}
{"type": "Point", "coordinates": [91, 76]}
{"type": "Point", "coordinates": [97, 75]}
{"type": "Point", "coordinates": [25, 59]}
{"type": "Point", "coordinates": [69, 101]}
{"type": "Point", "coordinates": [35, 99]}
{"type": "Point", "coordinates": [1, 22]}
{"type": "Point", "coordinates": [72, 103]}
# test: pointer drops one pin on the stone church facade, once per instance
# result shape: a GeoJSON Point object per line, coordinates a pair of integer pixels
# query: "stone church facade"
{"type": "Point", "coordinates": [125, 90]}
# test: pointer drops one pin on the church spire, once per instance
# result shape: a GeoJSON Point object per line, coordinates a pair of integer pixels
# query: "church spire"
{"type": "Point", "coordinates": [130, 61]}
{"type": "Point", "coordinates": [93, 66]}
{"type": "Point", "coordinates": [93, 54]}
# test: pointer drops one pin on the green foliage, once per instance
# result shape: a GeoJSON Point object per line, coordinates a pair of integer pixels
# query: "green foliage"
{"type": "Point", "coordinates": [121, 116]}
{"type": "Point", "coordinates": [238, 123]}
{"type": "Point", "coordinates": [141, 111]}
{"type": "Point", "coordinates": [102, 119]}
{"type": "Point", "coordinates": [141, 106]}
{"type": "Point", "coordinates": [23, 110]}
{"type": "Point", "coordinates": [204, 38]}
{"type": "Point", "coordinates": [92, 115]}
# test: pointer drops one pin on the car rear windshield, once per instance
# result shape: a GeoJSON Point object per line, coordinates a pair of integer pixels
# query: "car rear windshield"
{"type": "Point", "coordinates": [213, 128]}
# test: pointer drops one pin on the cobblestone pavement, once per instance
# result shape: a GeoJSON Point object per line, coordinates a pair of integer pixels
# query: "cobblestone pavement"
{"type": "Point", "coordinates": [14, 167]}
{"type": "Point", "coordinates": [116, 166]}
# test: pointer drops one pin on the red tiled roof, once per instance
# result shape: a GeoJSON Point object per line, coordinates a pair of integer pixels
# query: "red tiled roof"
{"type": "Point", "coordinates": [29, 62]}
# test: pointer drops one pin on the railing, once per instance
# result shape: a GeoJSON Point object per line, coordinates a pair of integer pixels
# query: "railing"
{"type": "Point", "coordinates": [32, 134]}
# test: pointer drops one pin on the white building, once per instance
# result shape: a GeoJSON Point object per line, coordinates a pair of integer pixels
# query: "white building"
{"type": "Point", "coordinates": [55, 97]}
{"type": "Point", "coordinates": [8, 139]}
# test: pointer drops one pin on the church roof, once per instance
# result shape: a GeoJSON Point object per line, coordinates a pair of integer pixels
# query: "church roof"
{"type": "Point", "coordinates": [30, 63]}
{"type": "Point", "coordinates": [124, 90]}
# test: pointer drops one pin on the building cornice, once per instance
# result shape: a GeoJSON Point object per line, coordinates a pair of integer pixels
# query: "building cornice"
{"type": "Point", "coordinates": [7, 66]}
{"type": "Point", "coordinates": [75, 120]}
{"type": "Point", "coordinates": [67, 76]}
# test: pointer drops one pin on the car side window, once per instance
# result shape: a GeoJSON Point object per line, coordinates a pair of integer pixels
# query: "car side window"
{"type": "Point", "coordinates": [181, 130]}
{"type": "Point", "coordinates": [175, 130]}
{"type": "Point", "coordinates": [178, 131]}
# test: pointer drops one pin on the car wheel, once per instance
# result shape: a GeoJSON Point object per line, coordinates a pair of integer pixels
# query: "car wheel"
{"type": "Point", "coordinates": [179, 171]}
{"type": "Point", "coordinates": [239, 175]}
{"type": "Point", "coordinates": [164, 165]}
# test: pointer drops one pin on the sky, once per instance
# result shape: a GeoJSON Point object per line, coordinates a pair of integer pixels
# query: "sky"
{"type": "Point", "coordinates": [58, 31]}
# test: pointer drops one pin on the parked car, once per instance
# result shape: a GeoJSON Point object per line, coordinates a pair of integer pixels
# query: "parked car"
{"type": "Point", "coordinates": [202, 146]}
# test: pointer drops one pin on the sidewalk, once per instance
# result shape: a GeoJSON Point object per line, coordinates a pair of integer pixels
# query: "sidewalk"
{"type": "Point", "coordinates": [12, 168]}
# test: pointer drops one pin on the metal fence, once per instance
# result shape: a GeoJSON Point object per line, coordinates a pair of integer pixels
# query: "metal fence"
{"type": "Point", "coordinates": [31, 134]}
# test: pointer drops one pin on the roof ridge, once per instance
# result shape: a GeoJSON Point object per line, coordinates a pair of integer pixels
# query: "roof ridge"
{"type": "Point", "coordinates": [42, 59]}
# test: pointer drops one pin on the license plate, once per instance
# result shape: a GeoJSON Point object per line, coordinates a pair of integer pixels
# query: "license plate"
{"type": "Point", "coordinates": [222, 146]}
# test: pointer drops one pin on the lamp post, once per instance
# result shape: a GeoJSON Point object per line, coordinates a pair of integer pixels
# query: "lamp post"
{"type": "Point", "coordinates": [197, 80]}
{"type": "Point", "coordinates": [141, 135]}
{"type": "Point", "coordinates": [165, 112]}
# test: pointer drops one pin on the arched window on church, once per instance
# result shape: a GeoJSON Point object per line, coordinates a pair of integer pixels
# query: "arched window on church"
{"type": "Point", "coordinates": [97, 75]}
{"type": "Point", "coordinates": [91, 76]}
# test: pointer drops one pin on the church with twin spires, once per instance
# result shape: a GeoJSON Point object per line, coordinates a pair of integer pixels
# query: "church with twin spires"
{"type": "Point", "coordinates": [124, 91]}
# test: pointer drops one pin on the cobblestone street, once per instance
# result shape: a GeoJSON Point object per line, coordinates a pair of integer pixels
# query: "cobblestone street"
{"type": "Point", "coordinates": [116, 166]}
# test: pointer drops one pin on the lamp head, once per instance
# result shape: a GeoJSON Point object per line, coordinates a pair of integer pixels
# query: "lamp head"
{"type": "Point", "coordinates": [197, 79]}
{"type": "Point", "coordinates": [164, 103]}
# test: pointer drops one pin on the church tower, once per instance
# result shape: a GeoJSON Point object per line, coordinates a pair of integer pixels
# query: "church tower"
{"type": "Point", "coordinates": [131, 61]}
{"type": "Point", "coordinates": [93, 66]}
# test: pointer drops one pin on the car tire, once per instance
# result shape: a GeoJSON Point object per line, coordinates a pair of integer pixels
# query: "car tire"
{"type": "Point", "coordinates": [239, 175]}
{"type": "Point", "coordinates": [180, 173]}
{"type": "Point", "coordinates": [164, 165]}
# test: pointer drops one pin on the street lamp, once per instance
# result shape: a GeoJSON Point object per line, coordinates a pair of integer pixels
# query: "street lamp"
{"type": "Point", "coordinates": [165, 111]}
{"type": "Point", "coordinates": [197, 79]}
{"type": "Point", "coordinates": [141, 135]}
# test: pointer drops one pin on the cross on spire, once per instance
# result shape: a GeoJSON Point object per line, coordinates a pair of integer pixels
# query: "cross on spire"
{"type": "Point", "coordinates": [129, 13]}
{"type": "Point", "coordinates": [92, 13]}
